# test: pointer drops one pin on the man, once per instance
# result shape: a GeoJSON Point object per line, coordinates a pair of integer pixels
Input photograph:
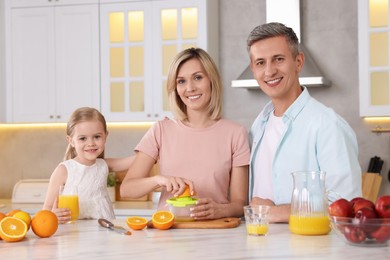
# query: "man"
{"type": "Point", "coordinates": [294, 132]}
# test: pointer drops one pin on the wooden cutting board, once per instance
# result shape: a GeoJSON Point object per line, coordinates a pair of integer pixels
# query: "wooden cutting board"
{"type": "Point", "coordinates": [215, 223]}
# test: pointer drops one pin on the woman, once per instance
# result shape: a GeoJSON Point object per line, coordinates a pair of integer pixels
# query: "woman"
{"type": "Point", "coordinates": [197, 148]}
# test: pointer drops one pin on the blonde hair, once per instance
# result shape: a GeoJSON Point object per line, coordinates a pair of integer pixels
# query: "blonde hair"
{"type": "Point", "coordinates": [83, 114]}
{"type": "Point", "coordinates": [177, 105]}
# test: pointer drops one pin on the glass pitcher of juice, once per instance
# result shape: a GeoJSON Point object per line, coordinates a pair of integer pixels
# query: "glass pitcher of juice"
{"type": "Point", "coordinates": [309, 204]}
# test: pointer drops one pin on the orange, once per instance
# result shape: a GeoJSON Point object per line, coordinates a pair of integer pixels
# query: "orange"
{"type": "Point", "coordinates": [163, 220]}
{"type": "Point", "coordinates": [12, 212]}
{"type": "Point", "coordinates": [12, 229]}
{"type": "Point", "coordinates": [44, 223]}
{"type": "Point", "coordinates": [186, 192]}
{"type": "Point", "coordinates": [136, 223]}
{"type": "Point", "coordinates": [24, 216]}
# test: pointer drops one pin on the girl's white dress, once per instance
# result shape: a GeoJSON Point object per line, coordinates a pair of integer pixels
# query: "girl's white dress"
{"type": "Point", "coordinates": [91, 184]}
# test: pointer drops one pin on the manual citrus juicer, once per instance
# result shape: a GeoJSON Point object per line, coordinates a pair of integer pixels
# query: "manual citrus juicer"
{"type": "Point", "coordinates": [180, 206]}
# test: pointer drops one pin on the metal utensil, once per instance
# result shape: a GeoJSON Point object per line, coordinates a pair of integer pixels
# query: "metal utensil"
{"type": "Point", "coordinates": [107, 224]}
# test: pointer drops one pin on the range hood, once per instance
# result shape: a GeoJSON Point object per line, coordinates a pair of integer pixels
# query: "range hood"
{"type": "Point", "coordinates": [288, 13]}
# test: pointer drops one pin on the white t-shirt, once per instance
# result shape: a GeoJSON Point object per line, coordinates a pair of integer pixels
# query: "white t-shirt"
{"type": "Point", "coordinates": [265, 157]}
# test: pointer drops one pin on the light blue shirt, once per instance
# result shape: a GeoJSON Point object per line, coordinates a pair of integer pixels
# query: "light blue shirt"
{"type": "Point", "coordinates": [316, 138]}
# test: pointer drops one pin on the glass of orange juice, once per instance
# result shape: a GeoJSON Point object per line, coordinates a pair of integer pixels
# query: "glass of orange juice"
{"type": "Point", "coordinates": [68, 198]}
{"type": "Point", "coordinates": [257, 219]}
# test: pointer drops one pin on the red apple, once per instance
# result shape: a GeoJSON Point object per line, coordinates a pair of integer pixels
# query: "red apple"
{"type": "Point", "coordinates": [365, 213]}
{"type": "Point", "coordinates": [382, 206]}
{"type": "Point", "coordinates": [382, 234]}
{"type": "Point", "coordinates": [364, 217]}
{"type": "Point", "coordinates": [354, 234]}
{"type": "Point", "coordinates": [362, 203]}
{"type": "Point", "coordinates": [340, 208]}
{"type": "Point", "coordinates": [353, 201]}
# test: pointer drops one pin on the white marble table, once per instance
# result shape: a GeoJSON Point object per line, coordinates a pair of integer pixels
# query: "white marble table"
{"type": "Point", "coordinates": [87, 240]}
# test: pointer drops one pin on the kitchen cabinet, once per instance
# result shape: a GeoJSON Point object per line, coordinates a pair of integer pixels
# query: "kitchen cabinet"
{"type": "Point", "coordinates": [138, 42]}
{"type": "Point", "coordinates": [52, 58]}
{"type": "Point", "coordinates": [374, 61]}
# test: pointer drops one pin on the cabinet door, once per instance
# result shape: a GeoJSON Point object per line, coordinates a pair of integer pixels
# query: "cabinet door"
{"type": "Point", "coordinates": [127, 60]}
{"type": "Point", "coordinates": [374, 58]}
{"type": "Point", "coordinates": [138, 43]}
{"type": "Point", "coordinates": [55, 62]}
{"type": "Point", "coordinates": [76, 59]}
{"type": "Point", "coordinates": [33, 68]}
{"type": "Point", "coordinates": [177, 25]}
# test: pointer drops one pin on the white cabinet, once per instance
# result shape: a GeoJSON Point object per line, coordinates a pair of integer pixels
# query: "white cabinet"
{"type": "Point", "coordinates": [138, 42]}
{"type": "Point", "coordinates": [52, 62]}
{"type": "Point", "coordinates": [374, 57]}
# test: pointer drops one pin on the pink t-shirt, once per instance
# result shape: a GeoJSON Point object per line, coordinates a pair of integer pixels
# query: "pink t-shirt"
{"type": "Point", "coordinates": [205, 156]}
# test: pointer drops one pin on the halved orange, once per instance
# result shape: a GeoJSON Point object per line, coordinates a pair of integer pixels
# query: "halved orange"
{"type": "Point", "coordinates": [136, 223]}
{"type": "Point", "coordinates": [12, 229]}
{"type": "Point", "coordinates": [163, 220]}
{"type": "Point", "coordinates": [2, 215]}
{"type": "Point", "coordinates": [186, 192]}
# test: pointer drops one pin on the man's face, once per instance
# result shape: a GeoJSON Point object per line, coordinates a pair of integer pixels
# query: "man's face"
{"type": "Point", "coordinates": [275, 68]}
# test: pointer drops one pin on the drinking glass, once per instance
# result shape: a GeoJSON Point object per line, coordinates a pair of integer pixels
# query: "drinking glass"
{"type": "Point", "coordinates": [68, 198]}
{"type": "Point", "coordinates": [257, 219]}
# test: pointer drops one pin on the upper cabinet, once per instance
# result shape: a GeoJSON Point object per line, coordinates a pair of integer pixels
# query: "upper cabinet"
{"type": "Point", "coordinates": [374, 64]}
{"type": "Point", "coordinates": [52, 59]}
{"type": "Point", "coordinates": [113, 55]}
{"type": "Point", "coordinates": [138, 42]}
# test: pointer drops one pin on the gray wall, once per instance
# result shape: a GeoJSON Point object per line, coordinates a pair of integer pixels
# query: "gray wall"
{"type": "Point", "coordinates": [329, 31]}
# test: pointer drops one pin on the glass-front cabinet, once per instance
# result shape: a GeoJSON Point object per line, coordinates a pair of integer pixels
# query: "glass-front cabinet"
{"type": "Point", "coordinates": [138, 42]}
{"type": "Point", "coordinates": [374, 59]}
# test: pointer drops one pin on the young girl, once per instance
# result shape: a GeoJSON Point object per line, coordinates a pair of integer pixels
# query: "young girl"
{"type": "Point", "coordinates": [84, 168]}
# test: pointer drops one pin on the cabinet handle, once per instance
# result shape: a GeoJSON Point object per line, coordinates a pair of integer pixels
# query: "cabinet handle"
{"type": "Point", "coordinates": [155, 115]}
{"type": "Point", "coordinates": [58, 116]}
{"type": "Point", "coordinates": [148, 115]}
{"type": "Point", "coordinates": [51, 116]}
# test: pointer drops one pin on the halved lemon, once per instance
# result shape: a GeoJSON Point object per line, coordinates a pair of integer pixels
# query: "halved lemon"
{"type": "Point", "coordinates": [12, 229]}
{"type": "Point", "coordinates": [136, 223]}
{"type": "Point", "coordinates": [163, 220]}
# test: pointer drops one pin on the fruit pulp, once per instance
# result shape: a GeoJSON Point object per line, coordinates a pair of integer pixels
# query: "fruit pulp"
{"type": "Point", "coordinates": [309, 225]}
{"type": "Point", "coordinates": [72, 203]}
{"type": "Point", "coordinates": [257, 229]}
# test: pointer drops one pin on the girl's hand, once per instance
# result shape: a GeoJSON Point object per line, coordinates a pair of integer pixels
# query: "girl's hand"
{"type": "Point", "coordinates": [207, 209]}
{"type": "Point", "coordinates": [174, 185]}
{"type": "Point", "coordinates": [63, 214]}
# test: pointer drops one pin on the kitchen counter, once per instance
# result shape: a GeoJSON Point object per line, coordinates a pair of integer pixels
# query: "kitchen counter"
{"type": "Point", "coordinates": [122, 209]}
{"type": "Point", "coordinates": [85, 239]}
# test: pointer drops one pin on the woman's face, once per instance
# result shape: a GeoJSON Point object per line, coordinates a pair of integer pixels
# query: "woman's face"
{"type": "Point", "coordinates": [193, 86]}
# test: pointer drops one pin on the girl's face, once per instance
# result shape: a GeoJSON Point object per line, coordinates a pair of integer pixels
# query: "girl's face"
{"type": "Point", "coordinates": [193, 86]}
{"type": "Point", "coordinates": [88, 139]}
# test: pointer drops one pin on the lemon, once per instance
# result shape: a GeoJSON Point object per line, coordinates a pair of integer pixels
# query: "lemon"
{"type": "Point", "coordinates": [23, 216]}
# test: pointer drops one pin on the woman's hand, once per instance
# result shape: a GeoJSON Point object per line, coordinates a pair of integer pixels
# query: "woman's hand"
{"type": "Point", "coordinates": [207, 209]}
{"type": "Point", "coordinates": [174, 185]}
